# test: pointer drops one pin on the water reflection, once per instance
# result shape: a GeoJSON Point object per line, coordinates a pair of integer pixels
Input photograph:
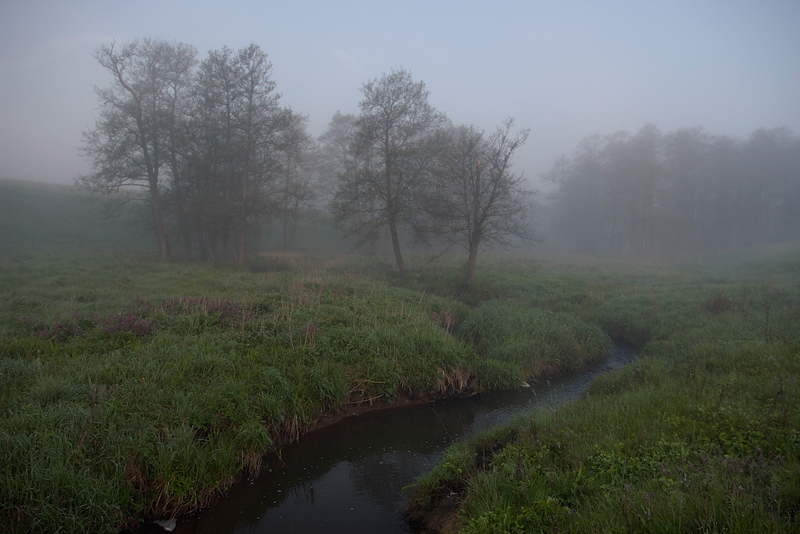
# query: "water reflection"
{"type": "Point", "coordinates": [349, 477]}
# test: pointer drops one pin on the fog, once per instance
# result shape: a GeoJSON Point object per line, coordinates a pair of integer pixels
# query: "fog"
{"type": "Point", "coordinates": [565, 70]}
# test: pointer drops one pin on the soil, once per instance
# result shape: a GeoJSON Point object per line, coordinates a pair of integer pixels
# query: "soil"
{"type": "Point", "coordinates": [355, 409]}
{"type": "Point", "coordinates": [443, 519]}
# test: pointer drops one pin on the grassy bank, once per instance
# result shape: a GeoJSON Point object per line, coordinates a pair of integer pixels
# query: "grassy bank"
{"type": "Point", "coordinates": [702, 434]}
{"type": "Point", "coordinates": [134, 389]}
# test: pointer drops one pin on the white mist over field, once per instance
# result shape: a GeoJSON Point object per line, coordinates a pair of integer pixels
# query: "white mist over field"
{"type": "Point", "coordinates": [565, 70]}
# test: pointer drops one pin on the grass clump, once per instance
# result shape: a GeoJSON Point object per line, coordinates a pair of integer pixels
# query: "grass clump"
{"type": "Point", "coordinates": [532, 340]}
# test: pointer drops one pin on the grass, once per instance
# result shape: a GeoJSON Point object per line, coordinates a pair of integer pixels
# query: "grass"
{"type": "Point", "coordinates": [161, 400]}
{"type": "Point", "coordinates": [702, 433]}
{"type": "Point", "coordinates": [134, 389]}
{"type": "Point", "coordinates": [149, 387]}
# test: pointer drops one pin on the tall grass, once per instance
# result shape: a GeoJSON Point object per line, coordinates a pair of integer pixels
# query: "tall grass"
{"type": "Point", "coordinates": [135, 389]}
{"type": "Point", "coordinates": [702, 433]}
{"type": "Point", "coordinates": [532, 340]}
{"type": "Point", "coordinates": [143, 389]}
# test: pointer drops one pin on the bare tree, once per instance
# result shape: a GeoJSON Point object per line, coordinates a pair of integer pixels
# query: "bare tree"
{"type": "Point", "coordinates": [477, 200]}
{"type": "Point", "coordinates": [391, 157]}
{"type": "Point", "coordinates": [130, 143]}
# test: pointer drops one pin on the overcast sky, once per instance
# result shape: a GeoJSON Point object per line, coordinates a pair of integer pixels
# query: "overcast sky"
{"type": "Point", "coordinates": [563, 69]}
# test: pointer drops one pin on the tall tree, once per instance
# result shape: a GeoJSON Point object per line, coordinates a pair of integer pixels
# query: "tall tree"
{"type": "Point", "coordinates": [683, 195]}
{"type": "Point", "coordinates": [335, 156]}
{"type": "Point", "coordinates": [392, 156]}
{"type": "Point", "coordinates": [242, 125]}
{"type": "Point", "coordinates": [476, 199]}
{"type": "Point", "coordinates": [633, 172]}
{"type": "Point", "coordinates": [130, 144]}
{"type": "Point", "coordinates": [578, 218]}
{"type": "Point", "coordinates": [296, 189]}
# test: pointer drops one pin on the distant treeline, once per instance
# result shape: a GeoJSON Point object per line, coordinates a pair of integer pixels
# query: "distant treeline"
{"type": "Point", "coordinates": [653, 193]}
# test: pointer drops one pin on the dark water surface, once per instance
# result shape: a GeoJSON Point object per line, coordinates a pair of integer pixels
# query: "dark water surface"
{"type": "Point", "coordinates": [349, 477]}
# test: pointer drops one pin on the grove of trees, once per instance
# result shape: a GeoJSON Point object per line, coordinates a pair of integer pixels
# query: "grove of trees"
{"type": "Point", "coordinates": [208, 143]}
{"type": "Point", "coordinates": [655, 193]}
{"type": "Point", "coordinates": [206, 146]}
{"type": "Point", "coordinates": [208, 149]}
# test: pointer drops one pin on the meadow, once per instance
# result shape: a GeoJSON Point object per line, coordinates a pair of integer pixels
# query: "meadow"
{"type": "Point", "coordinates": [135, 389]}
{"type": "Point", "coordinates": [700, 434]}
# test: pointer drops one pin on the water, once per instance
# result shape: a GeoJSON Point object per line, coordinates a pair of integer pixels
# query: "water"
{"type": "Point", "coordinates": [349, 477]}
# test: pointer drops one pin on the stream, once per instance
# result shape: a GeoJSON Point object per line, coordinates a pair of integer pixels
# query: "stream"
{"type": "Point", "coordinates": [348, 477]}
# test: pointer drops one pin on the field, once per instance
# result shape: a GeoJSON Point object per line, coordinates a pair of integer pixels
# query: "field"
{"type": "Point", "coordinates": [701, 434]}
{"type": "Point", "coordinates": [134, 389]}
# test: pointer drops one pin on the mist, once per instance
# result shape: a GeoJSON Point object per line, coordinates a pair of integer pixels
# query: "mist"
{"type": "Point", "coordinates": [654, 193]}
{"type": "Point", "coordinates": [565, 72]}
{"type": "Point", "coordinates": [226, 226]}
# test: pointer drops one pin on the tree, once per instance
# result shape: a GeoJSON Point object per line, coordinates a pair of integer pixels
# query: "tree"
{"type": "Point", "coordinates": [633, 172]}
{"type": "Point", "coordinates": [771, 196]}
{"type": "Point", "coordinates": [239, 128]}
{"type": "Point", "coordinates": [296, 189]}
{"type": "Point", "coordinates": [335, 156]}
{"type": "Point", "coordinates": [476, 199]}
{"type": "Point", "coordinates": [684, 197]}
{"type": "Point", "coordinates": [392, 156]}
{"type": "Point", "coordinates": [578, 218]}
{"type": "Point", "coordinates": [130, 144]}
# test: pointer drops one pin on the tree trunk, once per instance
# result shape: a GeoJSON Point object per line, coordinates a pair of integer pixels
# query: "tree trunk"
{"type": "Point", "coordinates": [398, 256]}
{"type": "Point", "coordinates": [243, 236]}
{"type": "Point", "coordinates": [472, 260]}
{"type": "Point", "coordinates": [242, 247]}
{"type": "Point", "coordinates": [158, 220]}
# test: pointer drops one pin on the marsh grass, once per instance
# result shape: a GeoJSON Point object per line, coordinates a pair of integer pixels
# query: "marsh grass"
{"type": "Point", "coordinates": [532, 340]}
{"type": "Point", "coordinates": [148, 402]}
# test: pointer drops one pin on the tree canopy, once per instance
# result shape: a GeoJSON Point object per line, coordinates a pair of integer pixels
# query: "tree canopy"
{"type": "Point", "coordinates": [393, 150]}
{"type": "Point", "coordinates": [475, 199]}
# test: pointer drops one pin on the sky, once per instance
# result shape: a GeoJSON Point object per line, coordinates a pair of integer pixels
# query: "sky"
{"type": "Point", "coordinates": [564, 69]}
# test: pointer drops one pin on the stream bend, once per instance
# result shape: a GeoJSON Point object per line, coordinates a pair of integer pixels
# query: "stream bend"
{"type": "Point", "coordinates": [349, 477]}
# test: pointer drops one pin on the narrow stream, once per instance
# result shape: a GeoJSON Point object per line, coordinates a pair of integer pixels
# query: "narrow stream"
{"type": "Point", "coordinates": [349, 477]}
